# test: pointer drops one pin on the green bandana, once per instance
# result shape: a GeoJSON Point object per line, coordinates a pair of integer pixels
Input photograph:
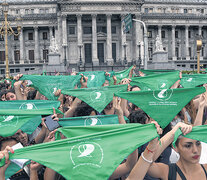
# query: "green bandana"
{"type": "Point", "coordinates": [198, 133]}
{"type": "Point", "coordinates": [95, 78]}
{"type": "Point", "coordinates": [89, 120]}
{"type": "Point", "coordinates": [155, 71]}
{"type": "Point", "coordinates": [156, 81]}
{"type": "Point", "coordinates": [11, 170]}
{"type": "Point", "coordinates": [162, 105]}
{"type": "Point", "coordinates": [193, 80]}
{"type": "Point", "coordinates": [28, 107]}
{"type": "Point", "coordinates": [9, 125]}
{"type": "Point", "coordinates": [119, 75]}
{"type": "Point", "coordinates": [48, 85]}
{"type": "Point", "coordinates": [91, 154]}
{"type": "Point", "coordinates": [99, 97]}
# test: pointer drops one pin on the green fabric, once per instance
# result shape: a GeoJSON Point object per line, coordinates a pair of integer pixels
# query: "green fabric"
{"type": "Point", "coordinates": [162, 105]}
{"type": "Point", "coordinates": [156, 81]}
{"type": "Point", "coordinates": [97, 152]}
{"type": "Point", "coordinates": [9, 125]}
{"type": "Point", "coordinates": [193, 80]}
{"type": "Point", "coordinates": [198, 133]}
{"type": "Point", "coordinates": [89, 120]}
{"type": "Point", "coordinates": [95, 78]}
{"type": "Point", "coordinates": [11, 170]}
{"type": "Point", "coordinates": [148, 72]}
{"type": "Point", "coordinates": [99, 97]}
{"type": "Point", "coordinates": [119, 75]}
{"type": "Point", "coordinates": [28, 107]}
{"type": "Point", "coordinates": [47, 85]}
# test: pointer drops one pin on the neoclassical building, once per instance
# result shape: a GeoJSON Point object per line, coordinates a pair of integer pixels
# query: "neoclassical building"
{"type": "Point", "coordinates": [91, 31]}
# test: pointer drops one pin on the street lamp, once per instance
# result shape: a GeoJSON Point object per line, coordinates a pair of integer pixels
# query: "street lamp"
{"type": "Point", "coordinates": [6, 30]}
{"type": "Point", "coordinates": [80, 60]}
{"type": "Point", "coordinates": [199, 45]}
{"type": "Point", "coordinates": [146, 56]}
{"type": "Point", "coordinates": [139, 58]}
{"type": "Point", "coordinates": [125, 58]}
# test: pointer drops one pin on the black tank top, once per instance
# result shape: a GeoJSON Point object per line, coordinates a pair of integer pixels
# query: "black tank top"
{"type": "Point", "coordinates": [174, 169]}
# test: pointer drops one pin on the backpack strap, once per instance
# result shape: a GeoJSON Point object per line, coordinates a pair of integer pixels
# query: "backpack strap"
{"type": "Point", "coordinates": [204, 170]}
{"type": "Point", "coordinates": [172, 172]}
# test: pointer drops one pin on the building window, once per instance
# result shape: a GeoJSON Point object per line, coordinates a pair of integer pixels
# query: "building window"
{"type": "Point", "coordinates": [159, 10]}
{"type": "Point", "coordinates": [185, 11]}
{"type": "Point", "coordinates": [101, 29]}
{"type": "Point", "coordinates": [17, 70]}
{"type": "Point", "coordinates": [31, 56]}
{"type": "Point", "coordinates": [71, 30]}
{"type": "Point", "coordinates": [1, 38]}
{"type": "Point", "coordinates": [11, 70]}
{"type": "Point", "coordinates": [176, 34]}
{"type": "Point", "coordinates": [44, 35]}
{"type": "Point", "coordinates": [149, 34]}
{"type": "Point", "coordinates": [177, 52]}
{"type": "Point", "coordinates": [150, 10]}
{"type": "Point", "coordinates": [202, 11]}
{"type": "Point", "coordinates": [46, 11]}
{"type": "Point", "coordinates": [2, 57]}
{"type": "Point", "coordinates": [30, 36]}
{"type": "Point", "coordinates": [16, 56]}
{"type": "Point", "coordinates": [113, 29]}
{"type": "Point", "coordinates": [32, 11]}
{"type": "Point", "coordinates": [17, 11]}
{"type": "Point", "coordinates": [163, 34]}
{"type": "Point", "coordinates": [26, 11]}
{"type": "Point", "coordinates": [189, 34]}
{"type": "Point", "coordinates": [190, 11]}
{"type": "Point", "coordinates": [87, 30]}
{"type": "Point", "coordinates": [16, 38]}
{"type": "Point", "coordinates": [45, 55]}
{"type": "Point", "coordinates": [2, 71]}
{"type": "Point", "coordinates": [42, 11]}
{"type": "Point", "coordinates": [190, 54]}
{"type": "Point", "coordinates": [146, 10]}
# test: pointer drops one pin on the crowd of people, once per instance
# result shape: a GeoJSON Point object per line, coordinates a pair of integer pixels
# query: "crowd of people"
{"type": "Point", "coordinates": [156, 159]}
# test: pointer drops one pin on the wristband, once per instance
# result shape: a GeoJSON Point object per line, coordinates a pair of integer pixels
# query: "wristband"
{"type": "Point", "coordinates": [146, 160]}
{"type": "Point", "coordinates": [149, 150]}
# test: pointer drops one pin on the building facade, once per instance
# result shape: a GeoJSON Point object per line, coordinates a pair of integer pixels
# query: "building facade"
{"type": "Point", "coordinates": [91, 31]}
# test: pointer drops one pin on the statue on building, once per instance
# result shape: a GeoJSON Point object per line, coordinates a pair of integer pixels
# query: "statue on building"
{"type": "Point", "coordinates": [53, 46]}
{"type": "Point", "coordinates": [158, 44]}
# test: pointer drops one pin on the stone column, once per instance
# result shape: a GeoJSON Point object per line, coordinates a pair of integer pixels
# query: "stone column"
{"type": "Point", "coordinates": [51, 31]}
{"type": "Point", "coordinates": [138, 37]}
{"type": "Point", "coordinates": [65, 39]}
{"type": "Point", "coordinates": [173, 43]}
{"type": "Point", "coordinates": [123, 39]}
{"type": "Point", "coordinates": [22, 51]}
{"type": "Point", "coordinates": [59, 36]}
{"type": "Point", "coordinates": [37, 51]}
{"type": "Point", "coordinates": [200, 34]}
{"type": "Point", "coordinates": [94, 41]}
{"type": "Point", "coordinates": [160, 32]}
{"type": "Point", "coordinates": [79, 36]}
{"type": "Point", "coordinates": [109, 41]}
{"type": "Point", "coordinates": [186, 43]}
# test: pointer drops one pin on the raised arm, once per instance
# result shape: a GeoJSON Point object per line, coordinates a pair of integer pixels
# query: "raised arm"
{"type": "Point", "coordinates": [176, 84]}
{"type": "Point", "coordinates": [119, 111]}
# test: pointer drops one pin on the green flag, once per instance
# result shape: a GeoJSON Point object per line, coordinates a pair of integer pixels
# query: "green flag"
{"type": "Point", "coordinates": [148, 72]}
{"type": "Point", "coordinates": [162, 105]}
{"type": "Point", "coordinates": [48, 85]}
{"type": "Point", "coordinates": [156, 81]}
{"type": "Point", "coordinates": [119, 75]}
{"type": "Point", "coordinates": [9, 125]}
{"type": "Point", "coordinates": [89, 120]}
{"type": "Point", "coordinates": [193, 80]}
{"type": "Point", "coordinates": [95, 78]}
{"type": "Point", "coordinates": [198, 133]}
{"type": "Point", "coordinates": [99, 97]}
{"type": "Point", "coordinates": [11, 170]}
{"type": "Point", "coordinates": [97, 152]}
{"type": "Point", "coordinates": [28, 107]}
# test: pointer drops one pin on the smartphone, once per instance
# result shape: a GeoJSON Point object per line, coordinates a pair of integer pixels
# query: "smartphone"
{"type": "Point", "coordinates": [50, 123]}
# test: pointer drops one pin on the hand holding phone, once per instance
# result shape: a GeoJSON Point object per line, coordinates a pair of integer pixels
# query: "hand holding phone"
{"type": "Point", "coordinates": [50, 123]}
